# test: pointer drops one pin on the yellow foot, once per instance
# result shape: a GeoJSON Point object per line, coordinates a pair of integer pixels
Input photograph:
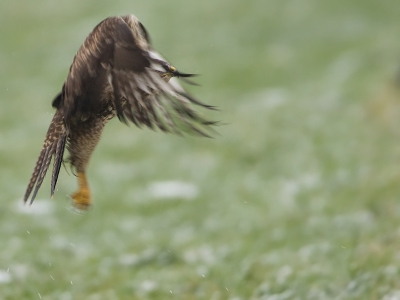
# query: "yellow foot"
{"type": "Point", "coordinates": [82, 197]}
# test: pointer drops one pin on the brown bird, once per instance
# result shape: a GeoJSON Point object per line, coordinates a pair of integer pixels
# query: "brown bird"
{"type": "Point", "coordinates": [115, 72]}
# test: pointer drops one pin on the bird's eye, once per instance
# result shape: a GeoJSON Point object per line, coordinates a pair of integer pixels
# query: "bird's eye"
{"type": "Point", "coordinates": [172, 69]}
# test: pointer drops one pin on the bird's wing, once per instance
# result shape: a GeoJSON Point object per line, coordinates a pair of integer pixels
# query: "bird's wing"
{"type": "Point", "coordinates": [112, 55]}
{"type": "Point", "coordinates": [86, 79]}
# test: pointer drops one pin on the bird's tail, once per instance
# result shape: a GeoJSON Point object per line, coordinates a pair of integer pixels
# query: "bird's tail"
{"type": "Point", "coordinates": [54, 144]}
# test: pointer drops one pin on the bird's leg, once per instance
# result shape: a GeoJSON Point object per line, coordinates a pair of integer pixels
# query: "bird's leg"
{"type": "Point", "coordinates": [82, 197]}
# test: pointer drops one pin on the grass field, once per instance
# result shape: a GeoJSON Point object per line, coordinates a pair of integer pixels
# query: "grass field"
{"type": "Point", "coordinates": [298, 197]}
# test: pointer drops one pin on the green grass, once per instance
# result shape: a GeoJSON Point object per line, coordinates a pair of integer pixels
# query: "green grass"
{"type": "Point", "coordinates": [297, 198]}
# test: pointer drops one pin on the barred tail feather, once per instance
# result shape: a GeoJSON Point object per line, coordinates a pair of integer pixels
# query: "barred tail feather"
{"type": "Point", "coordinates": [58, 159]}
{"type": "Point", "coordinates": [54, 144]}
{"type": "Point", "coordinates": [35, 174]}
{"type": "Point", "coordinates": [45, 162]}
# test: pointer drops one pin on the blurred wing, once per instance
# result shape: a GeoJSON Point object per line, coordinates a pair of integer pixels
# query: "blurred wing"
{"type": "Point", "coordinates": [84, 86]}
{"type": "Point", "coordinates": [142, 96]}
{"type": "Point", "coordinates": [112, 56]}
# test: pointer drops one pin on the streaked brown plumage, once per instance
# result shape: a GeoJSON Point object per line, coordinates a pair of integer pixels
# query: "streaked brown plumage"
{"type": "Point", "coordinates": [114, 73]}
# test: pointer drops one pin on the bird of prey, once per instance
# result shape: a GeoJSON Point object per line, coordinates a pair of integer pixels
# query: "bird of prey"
{"type": "Point", "coordinates": [116, 72]}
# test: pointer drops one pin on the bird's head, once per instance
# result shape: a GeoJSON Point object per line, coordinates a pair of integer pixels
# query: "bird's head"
{"type": "Point", "coordinates": [171, 71]}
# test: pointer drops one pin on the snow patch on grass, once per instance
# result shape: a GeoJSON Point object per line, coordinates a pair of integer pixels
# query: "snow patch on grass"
{"type": "Point", "coordinates": [5, 276]}
{"type": "Point", "coordinates": [148, 286]}
{"type": "Point", "coordinates": [204, 254]}
{"type": "Point", "coordinates": [395, 295]}
{"type": "Point", "coordinates": [39, 207]}
{"type": "Point", "coordinates": [173, 189]}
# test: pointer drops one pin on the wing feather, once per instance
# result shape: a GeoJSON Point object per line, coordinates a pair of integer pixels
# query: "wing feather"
{"type": "Point", "coordinates": [117, 54]}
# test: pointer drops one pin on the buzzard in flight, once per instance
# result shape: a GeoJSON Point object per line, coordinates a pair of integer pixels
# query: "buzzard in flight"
{"type": "Point", "coordinates": [115, 72]}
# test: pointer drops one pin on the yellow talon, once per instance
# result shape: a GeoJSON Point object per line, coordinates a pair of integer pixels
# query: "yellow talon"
{"type": "Point", "coordinates": [82, 197]}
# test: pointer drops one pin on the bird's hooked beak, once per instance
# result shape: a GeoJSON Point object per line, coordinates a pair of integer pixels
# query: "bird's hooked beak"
{"type": "Point", "coordinates": [171, 71]}
{"type": "Point", "coordinates": [175, 73]}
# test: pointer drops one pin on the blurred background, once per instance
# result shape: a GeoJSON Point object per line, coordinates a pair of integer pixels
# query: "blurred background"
{"type": "Point", "coordinates": [296, 198]}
